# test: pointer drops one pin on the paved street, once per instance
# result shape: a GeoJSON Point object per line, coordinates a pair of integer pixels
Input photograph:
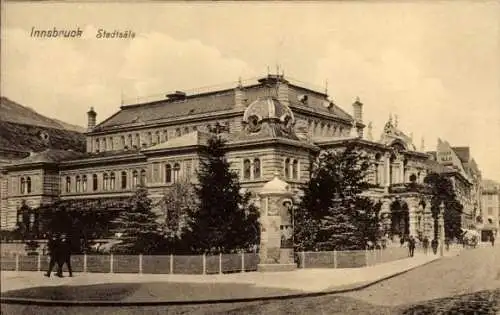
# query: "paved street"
{"type": "Point", "coordinates": [468, 283]}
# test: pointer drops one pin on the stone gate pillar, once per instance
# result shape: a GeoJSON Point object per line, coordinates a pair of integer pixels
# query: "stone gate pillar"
{"type": "Point", "coordinates": [276, 237]}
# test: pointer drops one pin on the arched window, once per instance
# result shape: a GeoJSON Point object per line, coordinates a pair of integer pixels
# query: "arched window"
{"type": "Point", "coordinates": [256, 168]}
{"type": "Point", "coordinates": [135, 176]}
{"type": "Point", "coordinates": [84, 183]}
{"type": "Point", "coordinates": [68, 184]}
{"type": "Point", "coordinates": [177, 170]}
{"type": "Point", "coordinates": [95, 183]}
{"type": "Point", "coordinates": [247, 171]}
{"type": "Point", "coordinates": [111, 144]}
{"type": "Point", "coordinates": [195, 128]}
{"type": "Point", "coordinates": [168, 173]}
{"type": "Point", "coordinates": [122, 142]}
{"type": "Point", "coordinates": [105, 179]}
{"type": "Point", "coordinates": [287, 168]}
{"type": "Point", "coordinates": [112, 181]}
{"type": "Point", "coordinates": [186, 130]}
{"type": "Point", "coordinates": [103, 145]}
{"type": "Point", "coordinates": [124, 180]}
{"type": "Point", "coordinates": [78, 183]}
{"type": "Point", "coordinates": [28, 185]}
{"type": "Point", "coordinates": [150, 138]}
{"type": "Point", "coordinates": [97, 148]}
{"type": "Point", "coordinates": [158, 138]}
{"type": "Point", "coordinates": [23, 185]}
{"type": "Point", "coordinates": [143, 177]}
{"type": "Point", "coordinates": [178, 132]}
{"type": "Point", "coordinates": [295, 169]}
{"type": "Point", "coordinates": [165, 135]}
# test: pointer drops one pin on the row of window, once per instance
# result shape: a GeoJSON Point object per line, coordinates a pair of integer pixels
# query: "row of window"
{"type": "Point", "coordinates": [25, 185]}
{"type": "Point", "coordinates": [151, 138]}
{"type": "Point", "coordinates": [291, 168]}
{"type": "Point", "coordinates": [108, 181]}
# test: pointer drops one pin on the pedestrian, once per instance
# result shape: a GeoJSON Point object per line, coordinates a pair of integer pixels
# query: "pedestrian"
{"type": "Point", "coordinates": [425, 244]}
{"type": "Point", "coordinates": [447, 243]}
{"type": "Point", "coordinates": [402, 240]}
{"type": "Point", "coordinates": [65, 256]}
{"type": "Point", "coordinates": [492, 239]}
{"type": "Point", "coordinates": [53, 246]}
{"type": "Point", "coordinates": [411, 246]}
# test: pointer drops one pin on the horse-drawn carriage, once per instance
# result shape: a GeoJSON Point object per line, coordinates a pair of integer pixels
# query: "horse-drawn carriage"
{"type": "Point", "coordinates": [470, 238]}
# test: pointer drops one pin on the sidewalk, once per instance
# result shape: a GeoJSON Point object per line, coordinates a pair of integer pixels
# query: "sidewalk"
{"type": "Point", "coordinates": [300, 280]}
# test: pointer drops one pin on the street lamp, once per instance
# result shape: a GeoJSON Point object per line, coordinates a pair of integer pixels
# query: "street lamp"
{"type": "Point", "coordinates": [441, 229]}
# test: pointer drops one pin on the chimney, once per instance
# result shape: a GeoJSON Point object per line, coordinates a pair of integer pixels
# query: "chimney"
{"type": "Point", "coordinates": [91, 118]}
{"type": "Point", "coordinates": [176, 96]}
{"type": "Point", "coordinates": [357, 110]}
{"type": "Point", "coordinates": [239, 96]}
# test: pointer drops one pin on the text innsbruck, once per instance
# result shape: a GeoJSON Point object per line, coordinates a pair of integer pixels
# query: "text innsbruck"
{"type": "Point", "coordinates": [55, 32]}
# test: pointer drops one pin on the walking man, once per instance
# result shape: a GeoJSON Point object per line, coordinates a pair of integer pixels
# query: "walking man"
{"type": "Point", "coordinates": [492, 239]}
{"type": "Point", "coordinates": [65, 256]}
{"type": "Point", "coordinates": [411, 245]}
{"type": "Point", "coordinates": [53, 246]}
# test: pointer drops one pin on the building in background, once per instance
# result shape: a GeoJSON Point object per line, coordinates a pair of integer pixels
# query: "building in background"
{"type": "Point", "coordinates": [460, 167]}
{"type": "Point", "coordinates": [489, 219]}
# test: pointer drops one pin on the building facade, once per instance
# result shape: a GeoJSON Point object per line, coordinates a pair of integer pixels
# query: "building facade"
{"type": "Point", "coordinates": [489, 219]}
{"type": "Point", "coordinates": [274, 128]}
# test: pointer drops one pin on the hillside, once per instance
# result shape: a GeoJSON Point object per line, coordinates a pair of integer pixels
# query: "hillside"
{"type": "Point", "coordinates": [24, 130]}
{"type": "Point", "coordinates": [13, 112]}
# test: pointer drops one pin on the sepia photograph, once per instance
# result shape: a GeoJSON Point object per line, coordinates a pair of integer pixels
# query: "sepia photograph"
{"type": "Point", "coordinates": [250, 157]}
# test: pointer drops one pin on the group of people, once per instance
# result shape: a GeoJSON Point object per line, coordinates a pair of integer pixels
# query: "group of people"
{"type": "Point", "coordinates": [59, 249]}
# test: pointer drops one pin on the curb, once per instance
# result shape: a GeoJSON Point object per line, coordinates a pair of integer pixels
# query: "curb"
{"type": "Point", "coordinates": [355, 287]}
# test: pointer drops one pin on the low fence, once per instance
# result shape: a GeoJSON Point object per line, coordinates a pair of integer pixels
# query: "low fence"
{"type": "Point", "coordinates": [201, 264]}
{"type": "Point", "coordinates": [142, 264]}
{"type": "Point", "coordinates": [350, 259]}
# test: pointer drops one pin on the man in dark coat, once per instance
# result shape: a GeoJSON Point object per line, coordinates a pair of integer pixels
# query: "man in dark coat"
{"type": "Point", "coordinates": [65, 256]}
{"type": "Point", "coordinates": [53, 246]}
{"type": "Point", "coordinates": [411, 246]}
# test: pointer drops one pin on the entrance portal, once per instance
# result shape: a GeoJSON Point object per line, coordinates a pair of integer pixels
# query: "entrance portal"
{"type": "Point", "coordinates": [400, 219]}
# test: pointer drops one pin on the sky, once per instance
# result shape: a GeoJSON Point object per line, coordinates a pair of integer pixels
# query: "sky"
{"type": "Point", "coordinates": [435, 64]}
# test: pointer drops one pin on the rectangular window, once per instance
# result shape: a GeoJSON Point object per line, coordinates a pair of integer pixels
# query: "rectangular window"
{"type": "Point", "coordinates": [490, 210]}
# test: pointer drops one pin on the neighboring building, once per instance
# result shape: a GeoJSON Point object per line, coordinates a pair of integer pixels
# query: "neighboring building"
{"type": "Point", "coordinates": [24, 133]}
{"type": "Point", "coordinates": [460, 167]}
{"type": "Point", "coordinates": [273, 127]}
{"type": "Point", "coordinates": [489, 219]}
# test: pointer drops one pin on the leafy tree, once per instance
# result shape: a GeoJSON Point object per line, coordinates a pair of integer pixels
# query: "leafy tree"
{"type": "Point", "coordinates": [332, 213]}
{"type": "Point", "coordinates": [175, 205]}
{"type": "Point", "coordinates": [224, 220]}
{"type": "Point", "coordinates": [441, 191]}
{"type": "Point", "coordinates": [139, 227]}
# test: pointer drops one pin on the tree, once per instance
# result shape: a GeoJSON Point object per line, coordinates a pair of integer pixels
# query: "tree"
{"type": "Point", "coordinates": [224, 220]}
{"type": "Point", "coordinates": [441, 191]}
{"type": "Point", "coordinates": [175, 205]}
{"type": "Point", "coordinates": [138, 226]}
{"type": "Point", "coordinates": [332, 213]}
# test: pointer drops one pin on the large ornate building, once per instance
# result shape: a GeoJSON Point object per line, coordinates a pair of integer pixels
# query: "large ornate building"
{"type": "Point", "coordinates": [273, 127]}
{"type": "Point", "coordinates": [465, 176]}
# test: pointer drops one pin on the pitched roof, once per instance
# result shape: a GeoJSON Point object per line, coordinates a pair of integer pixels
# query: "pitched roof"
{"type": "Point", "coordinates": [49, 156]}
{"type": "Point", "coordinates": [463, 153]}
{"type": "Point", "coordinates": [216, 101]}
{"type": "Point", "coordinates": [156, 111]}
